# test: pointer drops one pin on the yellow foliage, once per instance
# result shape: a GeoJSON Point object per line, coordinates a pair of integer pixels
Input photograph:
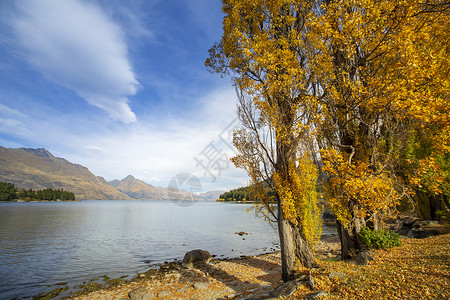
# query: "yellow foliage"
{"type": "Point", "coordinates": [298, 197]}
{"type": "Point", "coordinates": [381, 63]}
{"type": "Point", "coordinates": [356, 189]}
{"type": "Point", "coordinates": [429, 176]}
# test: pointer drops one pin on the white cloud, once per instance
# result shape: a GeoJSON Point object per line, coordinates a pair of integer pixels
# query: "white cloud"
{"type": "Point", "coordinates": [95, 149]}
{"type": "Point", "coordinates": [75, 44]}
{"type": "Point", "coordinates": [160, 149]}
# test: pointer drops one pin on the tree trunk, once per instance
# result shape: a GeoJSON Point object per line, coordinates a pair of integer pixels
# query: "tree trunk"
{"type": "Point", "coordinates": [435, 206]}
{"type": "Point", "coordinates": [302, 250]}
{"type": "Point", "coordinates": [350, 242]}
{"type": "Point", "coordinates": [287, 248]}
{"type": "Point", "coordinates": [375, 222]}
{"type": "Point", "coordinates": [292, 241]}
{"type": "Point", "coordinates": [293, 245]}
{"type": "Point", "coordinates": [446, 201]}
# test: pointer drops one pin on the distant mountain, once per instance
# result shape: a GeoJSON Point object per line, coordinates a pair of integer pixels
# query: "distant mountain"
{"type": "Point", "coordinates": [211, 196]}
{"type": "Point", "coordinates": [39, 169]}
{"type": "Point", "coordinates": [138, 189]}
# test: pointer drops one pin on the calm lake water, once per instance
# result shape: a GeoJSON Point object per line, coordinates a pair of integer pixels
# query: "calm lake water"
{"type": "Point", "coordinates": [42, 244]}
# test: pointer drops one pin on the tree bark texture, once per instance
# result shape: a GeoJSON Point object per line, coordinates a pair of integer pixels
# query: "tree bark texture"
{"type": "Point", "coordinates": [350, 242]}
{"type": "Point", "coordinates": [293, 246]}
{"type": "Point", "coordinates": [302, 250]}
{"type": "Point", "coordinates": [287, 247]}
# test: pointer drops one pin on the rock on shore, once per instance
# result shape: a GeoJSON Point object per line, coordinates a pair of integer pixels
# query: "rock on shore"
{"type": "Point", "coordinates": [196, 258]}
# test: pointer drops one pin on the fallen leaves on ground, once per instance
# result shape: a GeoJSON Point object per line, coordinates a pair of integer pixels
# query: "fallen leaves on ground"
{"type": "Point", "coordinates": [419, 269]}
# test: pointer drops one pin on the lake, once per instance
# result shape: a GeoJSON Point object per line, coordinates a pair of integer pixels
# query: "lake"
{"type": "Point", "coordinates": [42, 244]}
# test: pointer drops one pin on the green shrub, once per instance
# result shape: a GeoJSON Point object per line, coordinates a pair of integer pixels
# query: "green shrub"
{"type": "Point", "coordinates": [379, 239]}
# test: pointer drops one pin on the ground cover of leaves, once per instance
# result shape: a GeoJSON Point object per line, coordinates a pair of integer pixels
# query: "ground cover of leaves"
{"type": "Point", "coordinates": [419, 269]}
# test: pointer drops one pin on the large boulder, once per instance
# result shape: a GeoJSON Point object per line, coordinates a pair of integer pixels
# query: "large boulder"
{"type": "Point", "coordinates": [196, 258]}
{"type": "Point", "coordinates": [409, 221]}
{"type": "Point", "coordinates": [423, 223]}
{"type": "Point", "coordinates": [424, 228]}
{"type": "Point", "coordinates": [140, 293]}
{"type": "Point", "coordinates": [405, 225]}
{"type": "Point", "coordinates": [285, 289]}
{"type": "Point", "coordinates": [316, 295]}
{"type": "Point", "coordinates": [288, 288]}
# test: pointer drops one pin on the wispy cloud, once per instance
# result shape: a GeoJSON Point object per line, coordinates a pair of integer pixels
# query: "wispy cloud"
{"type": "Point", "coordinates": [10, 121]}
{"type": "Point", "coordinates": [132, 15]}
{"type": "Point", "coordinates": [74, 44]}
{"type": "Point", "coordinates": [8, 111]}
{"type": "Point", "coordinates": [9, 125]}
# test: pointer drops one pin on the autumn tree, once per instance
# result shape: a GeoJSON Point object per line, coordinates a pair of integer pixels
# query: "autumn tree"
{"type": "Point", "coordinates": [265, 48]}
{"type": "Point", "coordinates": [383, 70]}
{"type": "Point", "coordinates": [422, 97]}
{"type": "Point", "coordinates": [365, 82]}
{"type": "Point", "coordinates": [358, 120]}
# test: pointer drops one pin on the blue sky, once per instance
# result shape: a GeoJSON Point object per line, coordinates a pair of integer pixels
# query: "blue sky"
{"type": "Point", "coordinates": [119, 87]}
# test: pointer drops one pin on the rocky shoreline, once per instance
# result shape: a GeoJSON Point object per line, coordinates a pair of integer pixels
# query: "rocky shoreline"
{"type": "Point", "coordinates": [247, 277]}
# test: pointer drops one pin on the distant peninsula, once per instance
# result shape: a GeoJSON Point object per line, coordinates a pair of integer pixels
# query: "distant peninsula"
{"type": "Point", "coordinates": [8, 192]}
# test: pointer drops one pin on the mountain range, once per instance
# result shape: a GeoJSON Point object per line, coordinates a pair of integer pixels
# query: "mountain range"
{"type": "Point", "coordinates": [37, 169]}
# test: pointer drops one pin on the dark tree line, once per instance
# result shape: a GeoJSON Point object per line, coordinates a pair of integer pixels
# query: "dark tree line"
{"type": "Point", "coordinates": [9, 192]}
{"type": "Point", "coordinates": [239, 194]}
